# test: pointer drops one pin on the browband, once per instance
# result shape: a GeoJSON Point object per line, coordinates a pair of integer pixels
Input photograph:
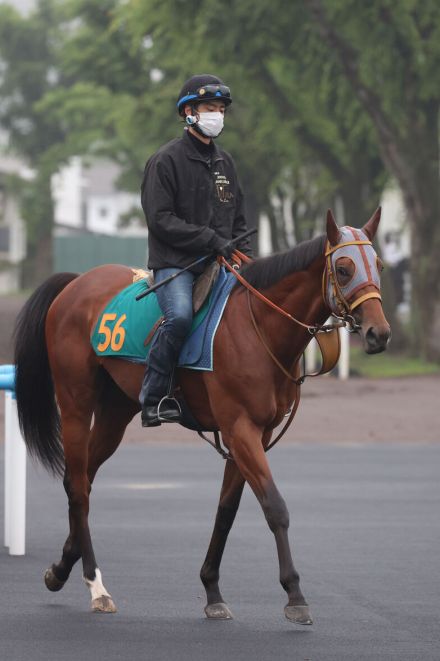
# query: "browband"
{"type": "Point", "coordinates": [331, 250]}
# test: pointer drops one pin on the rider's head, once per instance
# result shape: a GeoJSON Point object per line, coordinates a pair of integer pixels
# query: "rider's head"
{"type": "Point", "coordinates": [199, 96]}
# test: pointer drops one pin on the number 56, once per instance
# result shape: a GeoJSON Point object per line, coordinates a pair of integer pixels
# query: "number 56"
{"type": "Point", "coordinates": [113, 338]}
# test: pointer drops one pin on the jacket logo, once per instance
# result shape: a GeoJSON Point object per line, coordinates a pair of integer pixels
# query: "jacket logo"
{"type": "Point", "coordinates": [222, 187]}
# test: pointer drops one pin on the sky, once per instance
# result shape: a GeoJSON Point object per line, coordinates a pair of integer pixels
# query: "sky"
{"type": "Point", "coordinates": [22, 5]}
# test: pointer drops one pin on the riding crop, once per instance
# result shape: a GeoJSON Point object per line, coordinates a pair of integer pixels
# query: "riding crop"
{"type": "Point", "coordinates": [192, 265]}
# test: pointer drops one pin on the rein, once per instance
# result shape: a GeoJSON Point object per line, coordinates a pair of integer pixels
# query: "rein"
{"type": "Point", "coordinates": [238, 257]}
{"type": "Point", "coordinates": [330, 349]}
{"type": "Point", "coordinates": [328, 340]}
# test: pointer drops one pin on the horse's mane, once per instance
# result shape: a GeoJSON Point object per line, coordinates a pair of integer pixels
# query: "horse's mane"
{"type": "Point", "coordinates": [267, 271]}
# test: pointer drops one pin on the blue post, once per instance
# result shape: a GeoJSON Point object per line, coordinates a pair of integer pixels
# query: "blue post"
{"type": "Point", "coordinates": [7, 377]}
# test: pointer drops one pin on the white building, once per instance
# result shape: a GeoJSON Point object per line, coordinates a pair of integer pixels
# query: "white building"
{"type": "Point", "coordinates": [86, 199]}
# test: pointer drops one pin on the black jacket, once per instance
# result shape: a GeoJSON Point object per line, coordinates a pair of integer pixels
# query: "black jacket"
{"type": "Point", "coordinates": [191, 207]}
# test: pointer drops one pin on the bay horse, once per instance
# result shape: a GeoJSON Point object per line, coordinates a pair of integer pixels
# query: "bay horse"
{"type": "Point", "coordinates": [74, 406]}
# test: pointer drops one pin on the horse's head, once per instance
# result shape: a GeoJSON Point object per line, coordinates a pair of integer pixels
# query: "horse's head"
{"type": "Point", "coordinates": [352, 281]}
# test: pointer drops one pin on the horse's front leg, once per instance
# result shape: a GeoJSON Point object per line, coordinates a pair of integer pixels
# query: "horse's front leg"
{"type": "Point", "coordinates": [245, 442]}
{"type": "Point", "coordinates": [230, 496]}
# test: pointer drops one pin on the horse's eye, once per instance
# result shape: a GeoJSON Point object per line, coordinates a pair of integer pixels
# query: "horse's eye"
{"type": "Point", "coordinates": [342, 271]}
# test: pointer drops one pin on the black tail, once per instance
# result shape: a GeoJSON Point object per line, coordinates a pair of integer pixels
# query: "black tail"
{"type": "Point", "coordinates": [37, 408]}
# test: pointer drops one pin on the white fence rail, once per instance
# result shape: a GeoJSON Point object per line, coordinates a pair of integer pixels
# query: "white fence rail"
{"type": "Point", "coordinates": [15, 469]}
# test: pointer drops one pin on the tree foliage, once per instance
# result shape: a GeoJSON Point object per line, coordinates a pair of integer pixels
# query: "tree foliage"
{"type": "Point", "coordinates": [390, 55]}
{"type": "Point", "coordinates": [27, 72]}
{"type": "Point", "coordinates": [288, 119]}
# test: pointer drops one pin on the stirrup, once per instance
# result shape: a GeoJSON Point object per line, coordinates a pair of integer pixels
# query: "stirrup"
{"type": "Point", "coordinates": [168, 398]}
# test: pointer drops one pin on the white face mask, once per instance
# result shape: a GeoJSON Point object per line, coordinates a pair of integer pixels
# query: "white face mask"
{"type": "Point", "coordinates": [211, 123]}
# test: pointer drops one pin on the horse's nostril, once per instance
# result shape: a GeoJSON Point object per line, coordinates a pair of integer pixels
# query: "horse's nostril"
{"type": "Point", "coordinates": [377, 337]}
{"type": "Point", "coordinates": [370, 335]}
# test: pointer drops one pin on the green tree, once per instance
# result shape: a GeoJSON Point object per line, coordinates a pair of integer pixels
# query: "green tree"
{"type": "Point", "coordinates": [70, 84]}
{"type": "Point", "coordinates": [288, 119]}
{"type": "Point", "coordinates": [390, 55]}
{"type": "Point", "coordinates": [102, 100]}
{"type": "Point", "coordinates": [28, 70]}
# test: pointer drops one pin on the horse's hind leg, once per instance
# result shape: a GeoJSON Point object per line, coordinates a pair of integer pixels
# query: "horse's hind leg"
{"type": "Point", "coordinates": [111, 419]}
{"type": "Point", "coordinates": [57, 575]}
{"type": "Point", "coordinates": [112, 414]}
{"type": "Point", "coordinates": [75, 423]}
{"type": "Point", "coordinates": [230, 496]}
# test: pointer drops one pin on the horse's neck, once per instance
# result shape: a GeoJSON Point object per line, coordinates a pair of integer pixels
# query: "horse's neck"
{"type": "Point", "coordinates": [299, 294]}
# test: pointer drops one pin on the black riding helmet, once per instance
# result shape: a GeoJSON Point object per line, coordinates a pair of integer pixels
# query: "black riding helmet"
{"type": "Point", "coordinates": [203, 87]}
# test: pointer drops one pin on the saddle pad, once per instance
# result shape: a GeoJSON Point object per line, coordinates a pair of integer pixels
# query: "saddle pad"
{"type": "Point", "coordinates": [197, 352]}
{"type": "Point", "coordinates": [124, 325]}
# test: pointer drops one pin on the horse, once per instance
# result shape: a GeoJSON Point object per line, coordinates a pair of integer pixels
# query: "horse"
{"type": "Point", "coordinates": [74, 405]}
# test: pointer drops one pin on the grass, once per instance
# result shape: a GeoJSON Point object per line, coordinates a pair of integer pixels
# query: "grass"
{"type": "Point", "coordinates": [388, 365]}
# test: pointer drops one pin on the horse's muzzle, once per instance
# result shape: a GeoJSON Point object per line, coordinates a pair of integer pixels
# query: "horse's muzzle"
{"type": "Point", "coordinates": [376, 339]}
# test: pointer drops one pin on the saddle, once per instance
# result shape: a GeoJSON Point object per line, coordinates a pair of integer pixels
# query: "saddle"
{"type": "Point", "coordinates": [126, 326]}
{"type": "Point", "coordinates": [202, 287]}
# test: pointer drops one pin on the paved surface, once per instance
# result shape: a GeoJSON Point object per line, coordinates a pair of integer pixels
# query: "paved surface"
{"type": "Point", "coordinates": [366, 535]}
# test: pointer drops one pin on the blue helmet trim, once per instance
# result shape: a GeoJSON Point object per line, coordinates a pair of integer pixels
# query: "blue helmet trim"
{"type": "Point", "coordinates": [188, 97]}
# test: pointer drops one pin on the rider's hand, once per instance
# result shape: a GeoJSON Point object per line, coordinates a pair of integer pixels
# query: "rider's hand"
{"type": "Point", "coordinates": [226, 249]}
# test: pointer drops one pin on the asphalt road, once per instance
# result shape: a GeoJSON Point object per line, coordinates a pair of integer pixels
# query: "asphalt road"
{"type": "Point", "coordinates": [366, 530]}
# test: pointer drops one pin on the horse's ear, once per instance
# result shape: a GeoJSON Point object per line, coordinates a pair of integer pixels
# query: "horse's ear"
{"type": "Point", "coordinates": [370, 228]}
{"type": "Point", "coordinates": [333, 233]}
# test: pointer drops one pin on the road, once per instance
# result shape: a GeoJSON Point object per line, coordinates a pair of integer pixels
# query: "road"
{"type": "Point", "coordinates": [366, 532]}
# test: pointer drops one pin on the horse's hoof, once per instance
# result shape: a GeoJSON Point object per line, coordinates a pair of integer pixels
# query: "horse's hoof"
{"type": "Point", "coordinates": [103, 604]}
{"type": "Point", "coordinates": [52, 582]}
{"type": "Point", "coordinates": [218, 611]}
{"type": "Point", "coordinates": [298, 614]}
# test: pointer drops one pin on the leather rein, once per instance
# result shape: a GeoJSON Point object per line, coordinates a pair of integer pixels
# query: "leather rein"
{"type": "Point", "coordinates": [327, 335]}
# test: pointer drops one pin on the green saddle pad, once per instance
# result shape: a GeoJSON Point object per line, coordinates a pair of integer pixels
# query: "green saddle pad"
{"type": "Point", "coordinates": [124, 325]}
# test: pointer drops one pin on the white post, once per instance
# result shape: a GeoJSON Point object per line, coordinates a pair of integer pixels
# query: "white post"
{"type": "Point", "coordinates": [8, 439]}
{"type": "Point", "coordinates": [344, 360]}
{"type": "Point", "coordinates": [16, 484]}
{"type": "Point", "coordinates": [310, 356]}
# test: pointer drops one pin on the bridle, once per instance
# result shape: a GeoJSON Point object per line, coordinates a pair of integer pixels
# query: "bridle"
{"type": "Point", "coordinates": [337, 297]}
{"type": "Point", "coordinates": [342, 300]}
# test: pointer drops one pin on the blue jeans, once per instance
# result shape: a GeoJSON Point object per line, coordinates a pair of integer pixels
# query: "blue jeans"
{"type": "Point", "coordinates": [175, 300]}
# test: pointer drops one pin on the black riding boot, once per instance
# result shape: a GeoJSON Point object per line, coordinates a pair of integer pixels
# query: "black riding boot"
{"type": "Point", "coordinates": [167, 409]}
{"type": "Point", "coordinates": [158, 404]}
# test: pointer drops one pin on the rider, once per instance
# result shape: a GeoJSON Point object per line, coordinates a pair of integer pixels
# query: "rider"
{"type": "Point", "coordinates": [193, 205]}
